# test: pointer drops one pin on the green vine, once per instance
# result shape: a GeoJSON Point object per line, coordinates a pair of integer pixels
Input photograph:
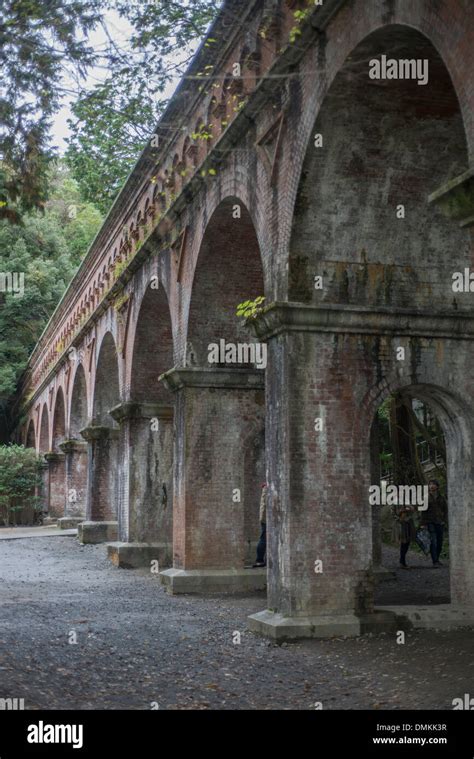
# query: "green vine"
{"type": "Point", "coordinates": [250, 309]}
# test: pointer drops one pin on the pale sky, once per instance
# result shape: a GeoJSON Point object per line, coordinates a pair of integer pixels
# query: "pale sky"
{"type": "Point", "coordinates": [120, 31]}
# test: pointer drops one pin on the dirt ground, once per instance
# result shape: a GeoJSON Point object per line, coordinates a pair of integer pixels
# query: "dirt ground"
{"type": "Point", "coordinates": [137, 646]}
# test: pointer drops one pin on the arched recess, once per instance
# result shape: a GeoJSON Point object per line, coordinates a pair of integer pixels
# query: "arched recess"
{"type": "Point", "coordinates": [76, 449]}
{"type": "Point", "coordinates": [44, 430]}
{"type": "Point", "coordinates": [78, 411]}
{"type": "Point", "coordinates": [103, 438]}
{"type": "Point", "coordinates": [147, 431]}
{"type": "Point", "coordinates": [59, 422]}
{"type": "Point", "coordinates": [220, 402]}
{"type": "Point", "coordinates": [106, 389]}
{"type": "Point", "coordinates": [43, 447]}
{"type": "Point", "coordinates": [362, 219]}
{"type": "Point", "coordinates": [454, 415]}
{"type": "Point", "coordinates": [56, 460]}
{"type": "Point", "coordinates": [152, 348]}
{"type": "Point", "coordinates": [31, 435]}
{"type": "Point", "coordinates": [228, 272]}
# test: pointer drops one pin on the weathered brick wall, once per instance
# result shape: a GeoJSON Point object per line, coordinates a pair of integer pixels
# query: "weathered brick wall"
{"type": "Point", "coordinates": [306, 211]}
{"type": "Point", "coordinates": [319, 499]}
{"type": "Point", "coordinates": [386, 144]}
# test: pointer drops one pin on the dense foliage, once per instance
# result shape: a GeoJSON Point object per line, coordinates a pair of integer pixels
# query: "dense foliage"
{"type": "Point", "coordinates": [37, 41]}
{"type": "Point", "coordinates": [19, 476]}
{"type": "Point", "coordinates": [46, 248]}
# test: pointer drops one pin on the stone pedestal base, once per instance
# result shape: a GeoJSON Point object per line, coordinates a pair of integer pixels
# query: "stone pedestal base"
{"type": "Point", "coordinates": [442, 617]}
{"type": "Point", "coordinates": [139, 555]}
{"type": "Point", "coordinates": [69, 523]}
{"type": "Point", "coordinates": [281, 629]}
{"type": "Point", "coordinates": [381, 574]}
{"type": "Point", "coordinates": [97, 532]}
{"type": "Point", "coordinates": [204, 581]}
{"type": "Point", "coordinates": [391, 619]}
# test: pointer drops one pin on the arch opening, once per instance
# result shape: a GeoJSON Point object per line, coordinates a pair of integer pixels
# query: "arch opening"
{"type": "Point", "coordinates": [229, 271]}
{"type": "Point", "coordinates": [147, 503]}
{"type": "Point", "coordinates": [410, 488]}
{"type": "Point", "coordinates": [78, 414]}
{"type": "Point", "coordinates": [221, 416]}
{"type": "Point", "coordinates": [107, 389]}
{"type": "Point", "coordinates": [362, 220]}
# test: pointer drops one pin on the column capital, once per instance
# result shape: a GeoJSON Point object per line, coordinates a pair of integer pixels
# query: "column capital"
{"type": "Point", "coordinates": [456, 199]}
{"type": "Point", "coordinates": [141, 410]}
{"type": "Point", "coordinates": [224, 379]}
{"type": "Point", "coordinates": [94, 434]}
{"type": "Point", "coordinates": [73, 446]}
{"type": "Point", "coordinates": [284, 317]}
{"type": "Point", "coordinates": [53, 457]}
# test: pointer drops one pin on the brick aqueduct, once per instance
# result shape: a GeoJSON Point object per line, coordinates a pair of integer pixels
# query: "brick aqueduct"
{"type": "Point", "coordinates": [293, 167]}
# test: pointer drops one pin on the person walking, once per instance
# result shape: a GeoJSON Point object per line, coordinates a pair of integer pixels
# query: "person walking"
{"type": "Point", "coordinates": [406, 531]}
{"type": "Point", "coordinates": [262, 544]}
{"type": "Point", "coordinates": [435, 520]}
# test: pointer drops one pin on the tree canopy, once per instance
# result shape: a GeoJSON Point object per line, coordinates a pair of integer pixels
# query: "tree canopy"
{"type": "Point", "coordinates": [113, 121]}
{"type": "Point", "coordinates": [37, 41]}
{"type": "Point", "coordinates": [46, 249]}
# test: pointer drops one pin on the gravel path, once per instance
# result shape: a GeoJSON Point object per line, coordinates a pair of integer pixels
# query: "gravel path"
{"type": "Point", "coordinates": [137, 646]}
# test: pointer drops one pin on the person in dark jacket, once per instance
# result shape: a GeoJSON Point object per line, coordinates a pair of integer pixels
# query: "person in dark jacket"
{"type": "Point", "coordinates": [435, 520]}
{"type": "Point", "coordinates": [262, 545]}
{"type": "Point", "coordinates": [405, 531]}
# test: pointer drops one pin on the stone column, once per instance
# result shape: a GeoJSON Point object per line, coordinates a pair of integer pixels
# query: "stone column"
{"type": "Point", "coordinates": [381, 573]}
{"type": "Point", "coordinates": [319, 522]}
{"type": "Point", "coordinates": [75, 452]}
{"type": "Point", "coordinates": [216, 412]}
{"type": "Point", "coordinates": [101, 498]}
{"type": "Point", "coordinates": [43, 489]}
{"type": "Point", "coordinates": [146, 477]}
{"type": "Point", "coordinates": [325, 377]}
{"type": "Point", "coordinates": [57, 484]}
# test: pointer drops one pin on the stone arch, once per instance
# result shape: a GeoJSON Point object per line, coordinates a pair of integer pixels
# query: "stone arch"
{"type": "Point", "coordinates": [59, 421]}
{"type": "Point", "coordinates": [30, 440]}
{"type": "Point", "coordinates": [44, 430]}
{"type": "Point", "coordinates": [152, 353]}
{"type": "Point", "coordinates": [146, 502]}
{"type": "Point", "coordinates": [228, 271]}
{"type": "Point", "coordinates": [362, 219]}
{"type": "Point", "coordinates": [75, 449]}
{"type": "Point", "coordinates": [106, 386]}
{"type": "Point", "coordinates": [218, 404]}
{"type": "Point", "coordinates": [78, 413]}
{"type": "Point", "coordinates": [56, 459]}
{"type": "Point", "coordinates": [454, 415]}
